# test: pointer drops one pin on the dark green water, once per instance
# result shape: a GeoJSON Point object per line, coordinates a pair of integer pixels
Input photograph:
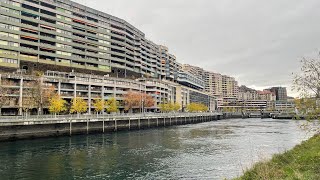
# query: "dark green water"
{"type": "Point", "coordinates": [212, 150]}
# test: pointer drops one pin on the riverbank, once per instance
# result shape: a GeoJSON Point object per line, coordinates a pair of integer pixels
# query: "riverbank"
{"type": "Point", "coordinates": [302, 162]}
{"type": "Point", "coordinates": [11, 130]}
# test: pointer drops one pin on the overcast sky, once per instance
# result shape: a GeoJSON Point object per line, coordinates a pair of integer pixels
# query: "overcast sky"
{"type": "Point", "coordinates": [258, 42]}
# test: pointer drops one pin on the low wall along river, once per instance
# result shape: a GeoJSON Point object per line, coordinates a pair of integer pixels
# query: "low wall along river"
{"type": "Point", "coordinates": [45, 127]}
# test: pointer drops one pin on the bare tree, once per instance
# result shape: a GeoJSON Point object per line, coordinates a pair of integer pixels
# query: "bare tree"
{"type": "Point", "coordinates": [4, 92]}
{"type": "Point", "coordinates": [307, 82]}
{"type": "Point", "coordinates": [41, 93]}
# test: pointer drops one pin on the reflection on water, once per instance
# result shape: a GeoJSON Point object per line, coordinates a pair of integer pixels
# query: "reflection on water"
{"type": "Point", "coordinates": [212, 150]}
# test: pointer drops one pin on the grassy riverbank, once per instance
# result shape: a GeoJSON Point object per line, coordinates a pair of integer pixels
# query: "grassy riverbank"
{"type": "Point", "coordinates": [302, 162]}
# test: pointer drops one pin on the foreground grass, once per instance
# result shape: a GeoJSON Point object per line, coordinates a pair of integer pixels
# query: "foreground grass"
{"type": "Point", "coordinates": [302, 162]}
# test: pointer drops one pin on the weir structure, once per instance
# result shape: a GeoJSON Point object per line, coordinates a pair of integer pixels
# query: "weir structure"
{"type": "Point", "coordinates": [68, 125]}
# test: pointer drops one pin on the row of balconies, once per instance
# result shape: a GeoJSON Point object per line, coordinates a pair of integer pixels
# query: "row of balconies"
{"type": "Point", "coordinates": [102, 32]}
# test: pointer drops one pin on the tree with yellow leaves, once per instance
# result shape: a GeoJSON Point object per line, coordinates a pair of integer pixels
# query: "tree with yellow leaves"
{"type": "Point", "coordinates": [78, 105]}
{"type": "Point", "coordinates": [176, 106]}
{"type": "Point", "coordinates": [57, 104]}
{"type": "Point", "coordinates": [112, 105]}
{"type": "Point", "coordinates": [197, 107]}
{"type": "Point", "coordinates": [99, 105]}
{"type": "Point", "coordinates": [165, 107]}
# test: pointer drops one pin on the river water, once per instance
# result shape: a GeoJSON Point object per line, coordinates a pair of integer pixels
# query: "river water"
{"type": "Point", "coordinates": [211, 150]}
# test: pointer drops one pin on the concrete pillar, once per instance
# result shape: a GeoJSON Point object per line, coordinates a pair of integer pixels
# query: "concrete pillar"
{"type": "Point", "coordinates": [75, 90]}
{"type": "Point", "coordinates": [87, 126]}
{"type": "Point", "coordinates": [129, 123]}
{"type": "Point", "coordinates": [139, 123]}
{"type": "Point", "coordinates": [21, 97]}
{"type": "Point", "coordinates": [115, 125]}
{"type": "Point", "coordinates": [59, 87]}
{"type": "Point", "coordinates": [89, 100]}
{"type": "Point", "coordinates": [70, 127]}
{"type": "Point", "coordinates": [103, 125]}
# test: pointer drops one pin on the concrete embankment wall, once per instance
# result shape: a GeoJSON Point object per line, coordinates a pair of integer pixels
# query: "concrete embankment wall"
{"type": "Point", "coordinates": [29, 130]}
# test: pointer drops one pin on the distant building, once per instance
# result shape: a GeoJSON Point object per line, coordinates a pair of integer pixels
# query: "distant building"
{"type": "Point", "coordinates": [280, 92]}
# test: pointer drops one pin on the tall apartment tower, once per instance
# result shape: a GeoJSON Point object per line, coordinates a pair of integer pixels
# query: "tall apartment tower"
{"type": "Point", "coordinates": [213, 83]}
{"type": "Point", "coordinates": [230, 87]}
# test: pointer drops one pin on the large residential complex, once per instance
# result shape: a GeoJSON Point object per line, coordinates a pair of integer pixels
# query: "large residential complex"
{"type": "Point", "coordinates": [86, 53]}
{"type": "Point", "coordinates": [218, 85]}
{"type": "Point", "coordinates": [66, 36]}
{"type": "Point", "coordinates": [91, 87]}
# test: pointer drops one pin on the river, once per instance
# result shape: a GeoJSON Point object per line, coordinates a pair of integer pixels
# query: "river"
{"type": "Point", "coordinates": [211, 150]}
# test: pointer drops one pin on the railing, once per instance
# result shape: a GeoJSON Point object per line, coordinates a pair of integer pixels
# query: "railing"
{"type": "Point", "coordinates": [96, 117]}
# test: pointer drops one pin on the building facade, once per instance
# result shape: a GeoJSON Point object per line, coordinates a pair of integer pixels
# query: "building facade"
{"type": "Point", "coordinates": [62, 35]}
{"type": "Point", "coordinates": [280, 92]}
{"type": "Point", "coordinates": [86, 53]}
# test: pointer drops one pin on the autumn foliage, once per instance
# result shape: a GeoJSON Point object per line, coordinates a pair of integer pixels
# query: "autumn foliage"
{"type": "Point", "coordinates": [57, 104]}
{"type": "Point", "coordinates": [78, 105]}
{"type": "Point", "coordinates": [196, 107]}
{"type": "Point", "coordinates": [99, 105]}
{"type": "Point", "coordinates": [169, 107]}
{"type": "Point", "coordinates": [134, 99]}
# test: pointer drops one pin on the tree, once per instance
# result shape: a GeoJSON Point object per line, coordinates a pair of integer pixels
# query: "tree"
{"type": "Point", "coordinates": [112, 105]}
{"type": "Point", "coordinates": [131, 100]}
{"type": "Point", "coordinates": [166, 107]}
{"type": "Point", "coordinates": [41, 94]}
{"type": "Point", "coordinates": [307, 83]}
{"type": "Point", "coordinates": [176, 106]}
{"type": "Point", "coordinates": [57, 104]}
{"type": "Point", "coordinates": [197, 107]}
{"type": "Point", "coordinates": [4, 91]}
{"type": "Point", "coordinates": [147, 100]}
{"type": "Point", "coordinates": [78, 105]}
{"type": "Point", "coordinates": [28, 102]}
{"type": "Point", "coordinates": [137, 100]}
{"type": "Point", "coordinates": [99, 105]}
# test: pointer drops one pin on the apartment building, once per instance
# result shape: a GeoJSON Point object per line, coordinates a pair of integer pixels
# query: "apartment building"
{"type": "Point", "coordinates": [62, 35]}
{"type": "Point", "coordinates": [230, 87]}
{"type": "Point", "coordinates": [213, 83]}
{"type": "Point", "coordinates": [197, 71]}
{"type": "Point", "coordinates": [87, 53]}
{"type": "Point", "coordinates": [88, 87]}
{"type": "Point", "coordinates": [280, 92]}
{"type": "Point", "coordinates": [91, 87]}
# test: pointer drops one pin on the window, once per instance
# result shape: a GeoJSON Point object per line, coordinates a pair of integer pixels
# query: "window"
{"type": "Point", "coordinates": [9, 18]}
{"type": "Point", "coordinates": [64, 32]}
{"type": "Point", "coordinates": [64, 11]}
{"type": "Point", "coordinates": [13, 53]}
{"type": "Point", "coordinates": [11, 61]}
{"type": "Point", "coordinates": [12, 3]}
{"type": "Point", "coordinates": [64, 25]}
{"type": "Point", "coordinates": [4, 34]}
{"type": "Point", "coordinates": [64, 53]}
{"type": "Point", "coordinates": [104, 35]}
{"type": "Point", "coordinates": [10, 10]}
{"type": "Point", "coordinates": [64, 46]}
{"type": "Point", "coordinates": [64, 39]}
{"type": "Point", "coordinates": [6, 26]}
{"type": "Point", "coordinates": [104, 67]}
{"type": "Point", "coordinates": [6, 43]}
{"type": "Point", "coordinates": [104, 48]}
{"type": "Point", "coordinates": [104, 42]}
{"type": "Point", "coordinates": [64, 18]}
{"type": "Point", "coordinates": [64, 61]}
